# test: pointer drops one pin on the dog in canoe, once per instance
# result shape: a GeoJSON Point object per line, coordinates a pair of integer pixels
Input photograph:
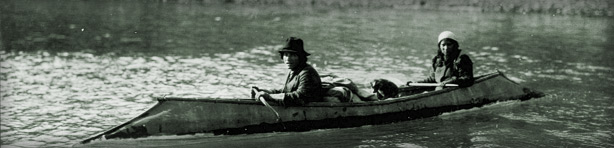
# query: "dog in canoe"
{"type": "Point", "coordinates": [384, 89]}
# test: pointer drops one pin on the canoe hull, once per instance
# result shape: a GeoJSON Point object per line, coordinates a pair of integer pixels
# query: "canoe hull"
{"type": "Point", "coordinates": [173, 116]}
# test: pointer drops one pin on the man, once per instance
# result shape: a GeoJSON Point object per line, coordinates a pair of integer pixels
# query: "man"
{"type": "Point", "coordinates": [303, 84]}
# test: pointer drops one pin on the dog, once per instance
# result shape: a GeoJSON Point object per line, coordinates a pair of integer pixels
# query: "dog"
{"type": "Point", "coordinates": [384, 89]}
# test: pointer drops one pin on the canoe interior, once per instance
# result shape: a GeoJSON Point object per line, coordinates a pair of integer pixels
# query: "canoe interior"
{"type": "Point", "coordinates": [173, 115]}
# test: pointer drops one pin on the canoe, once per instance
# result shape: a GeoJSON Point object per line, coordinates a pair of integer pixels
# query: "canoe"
{"type": "Point", "coordinates": [178, 116]}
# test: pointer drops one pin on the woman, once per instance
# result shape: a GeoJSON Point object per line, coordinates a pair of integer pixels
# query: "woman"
{"type": "Point", "coordinates": [303, 82]}
{"type": "Point", "coordinates": [449, 65]}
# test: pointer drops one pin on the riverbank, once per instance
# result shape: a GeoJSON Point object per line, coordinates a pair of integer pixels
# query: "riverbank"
{"type": "Point", "coordinates": [555, 7]}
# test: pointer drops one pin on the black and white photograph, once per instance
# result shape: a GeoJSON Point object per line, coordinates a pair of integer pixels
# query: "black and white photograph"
{"type": "Point", "coordinates": [307, 73]}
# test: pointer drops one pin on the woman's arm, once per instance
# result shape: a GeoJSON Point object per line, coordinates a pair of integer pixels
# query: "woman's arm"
{"type": "Point", "coordinates": [465, 71]}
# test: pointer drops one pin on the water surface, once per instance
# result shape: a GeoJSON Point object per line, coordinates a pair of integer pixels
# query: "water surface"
{"type": "Point", "coordinates": [73, 69]}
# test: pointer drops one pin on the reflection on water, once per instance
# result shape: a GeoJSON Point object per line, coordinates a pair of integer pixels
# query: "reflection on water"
{"type": "Point", "coordinates": [68, 75]}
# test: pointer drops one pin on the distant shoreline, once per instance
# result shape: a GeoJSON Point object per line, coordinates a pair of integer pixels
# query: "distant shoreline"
{"type": "Point", "coordinates": [555, 7]}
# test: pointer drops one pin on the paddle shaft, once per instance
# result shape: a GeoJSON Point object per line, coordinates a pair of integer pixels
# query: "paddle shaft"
{"type": "Point", "coordinates": [431, 85]}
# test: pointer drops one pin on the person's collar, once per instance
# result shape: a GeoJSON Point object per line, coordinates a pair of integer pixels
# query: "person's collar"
{"type": "Point", "coordinates": [454, 56]}
{"type": "Point", "coordinates": [298, 68]}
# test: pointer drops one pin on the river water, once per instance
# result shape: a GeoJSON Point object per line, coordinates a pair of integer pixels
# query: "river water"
{"type": "Point", "coordinates": [70, 70]}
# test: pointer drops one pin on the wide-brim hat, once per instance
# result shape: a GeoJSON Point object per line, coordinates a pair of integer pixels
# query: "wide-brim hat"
{"type": "Point", "coordinates": [294, 45]}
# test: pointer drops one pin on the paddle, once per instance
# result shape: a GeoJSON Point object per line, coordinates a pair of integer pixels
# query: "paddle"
{"type": "Point", "coordinates": [430, 85]}
{"type": "Point", "coordinates": [256, 95]}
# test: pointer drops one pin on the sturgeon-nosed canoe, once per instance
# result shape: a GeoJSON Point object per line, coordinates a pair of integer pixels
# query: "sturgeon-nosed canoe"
{"type": "Point", "coordinates": [178, 116]}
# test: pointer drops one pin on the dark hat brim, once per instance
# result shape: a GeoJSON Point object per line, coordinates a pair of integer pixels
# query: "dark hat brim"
{"type": "Point", "coordinates": [293, 51]}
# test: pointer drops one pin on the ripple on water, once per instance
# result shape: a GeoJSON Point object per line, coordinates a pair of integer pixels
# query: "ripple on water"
{"type": "Point", "coordinates": [533, 118]}
{"type": "Point", "coordinates": [63, 132]}
{"type": "Point", "coordinates": [593, 139]}
{"type": "Point", "coordinates": [4, 128]}
{"type": "Point", "coordinates": [50, 139]}
{"type": "Point", "coordinates": [408, 145]}
{"type": "Point", "coordinates": [478, 139]}
{"type": "Point", "coordinates": [29, 143]}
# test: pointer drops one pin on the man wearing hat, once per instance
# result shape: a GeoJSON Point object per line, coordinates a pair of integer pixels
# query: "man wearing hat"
{"type": "Point", "coordinates": [303, 82]}
{"type": "Point", "coordinates": [449, 65]}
